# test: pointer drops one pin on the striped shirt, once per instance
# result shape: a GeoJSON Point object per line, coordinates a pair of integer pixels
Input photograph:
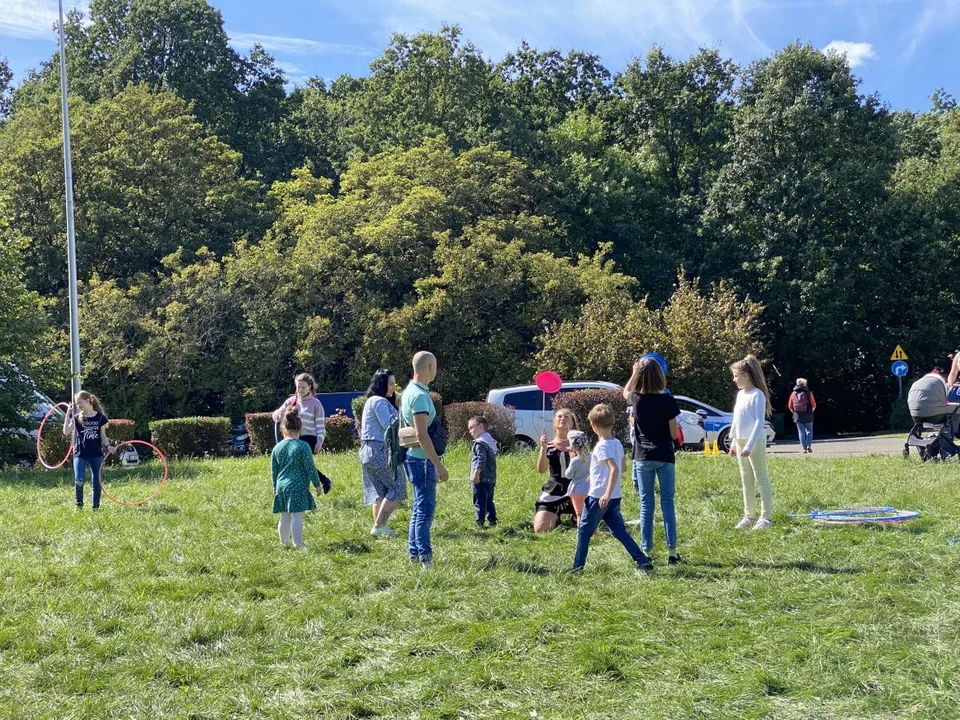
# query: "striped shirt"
{"type": "Point", "coordinates": [311, 415]}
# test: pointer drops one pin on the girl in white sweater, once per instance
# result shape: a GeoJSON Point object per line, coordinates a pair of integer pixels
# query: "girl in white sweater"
{"type": "Point", "coordinates": [749, 441]}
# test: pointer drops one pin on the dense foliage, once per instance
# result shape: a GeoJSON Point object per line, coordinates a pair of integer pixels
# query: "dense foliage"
{"type": "Point", "coordinates": [540, 210]}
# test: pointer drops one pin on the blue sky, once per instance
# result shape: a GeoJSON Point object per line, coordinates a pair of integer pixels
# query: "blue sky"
{"type": "Point", "coordinates": [903, 49]}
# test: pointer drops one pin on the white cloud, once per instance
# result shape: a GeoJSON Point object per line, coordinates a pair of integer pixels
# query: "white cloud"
{"type": "Point", "coordinates": [32, 19]}
{"type": "Point", "coordinates": [857, 53]}
{"type": "Point", "coordinates": [294, 45]}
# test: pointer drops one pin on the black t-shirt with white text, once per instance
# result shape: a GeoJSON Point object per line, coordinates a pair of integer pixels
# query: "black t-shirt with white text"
{"type": "Point", "coordinates": [86, 436]}
{"type": "Point", "coordinates": [652, 414]}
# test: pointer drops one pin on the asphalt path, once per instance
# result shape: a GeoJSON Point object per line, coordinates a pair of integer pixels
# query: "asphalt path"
{"type": "Point", "coordinates": [841, 446]}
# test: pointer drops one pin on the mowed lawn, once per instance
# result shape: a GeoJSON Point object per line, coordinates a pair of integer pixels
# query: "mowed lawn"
{"type": "Point", "coordinates": [189, 608]}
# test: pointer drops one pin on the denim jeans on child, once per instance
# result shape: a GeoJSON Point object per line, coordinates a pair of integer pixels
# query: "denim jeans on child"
{"type": "Point", "coordinates": [80, 476]}
{"type": "Point", "coordinates": [644, 472]}
{"type": "Point", "coordinates": [423, 477]}
{"type": "Point", "coordinates": [805, 431]}
{"type": "Point", "coordinates": [483, 502]}
{"type": "Point", "coordinates": [593, 515]}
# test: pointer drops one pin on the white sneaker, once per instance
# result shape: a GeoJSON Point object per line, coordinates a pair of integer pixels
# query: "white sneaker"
{"type": "Point", "coordinates": [304, 547]}
{"type": "Point", "coordinates": [383, 532]}
{"type": "Point", "coordinates": [763, 524]}
{"type": "Point", "coordinates": [744, 523]}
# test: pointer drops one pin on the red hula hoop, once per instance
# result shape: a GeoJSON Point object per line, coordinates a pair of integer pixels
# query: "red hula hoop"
{"type": "Point", "coordinates": [163, 483]}
{"type": "Point", "coordinates": [40, 432]}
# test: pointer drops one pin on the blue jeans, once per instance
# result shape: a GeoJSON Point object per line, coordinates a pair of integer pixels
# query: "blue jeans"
{"type": "Point", "coordinates": [593, 515]}
{"type": "Point", "coordinates": [644, 473]}
{"type": "Point", "coordinates": [483, 502]}
{"type": "Point", "coordinates": [80, 477]}
{"type": "Point", "coordinates": [423, 477]}
{"type": "Point", "coordinates": [805, 431]}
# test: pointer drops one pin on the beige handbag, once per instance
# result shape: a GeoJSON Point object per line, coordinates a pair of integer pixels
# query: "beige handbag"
{"type": "Point", "coordinates": [408, 436]}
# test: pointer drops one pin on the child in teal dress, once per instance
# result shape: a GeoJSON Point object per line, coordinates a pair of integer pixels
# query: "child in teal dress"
{"type": "Point", "coordinates": [292, 472]}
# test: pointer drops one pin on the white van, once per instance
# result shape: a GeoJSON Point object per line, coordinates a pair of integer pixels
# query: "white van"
{"type": "Point", "coordinates": [531, 419]}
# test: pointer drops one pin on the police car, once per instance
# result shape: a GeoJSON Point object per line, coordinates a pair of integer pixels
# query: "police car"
{"type": "Point", "coordinates": [716, 422]}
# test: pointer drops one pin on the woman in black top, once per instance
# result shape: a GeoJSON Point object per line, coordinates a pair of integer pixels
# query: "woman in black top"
{"type": "Point", "coordinates": [554, 457]}
{"type": "Point", "coordinates": [655, 431]}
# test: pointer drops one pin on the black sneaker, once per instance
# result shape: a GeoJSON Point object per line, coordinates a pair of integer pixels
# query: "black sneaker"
{"type": "Point", "coordinates": [645, 567]}
{"type": "Point", "coordinates": [479, 525]}
{"type": "Point", "coordinates": [676, 560]}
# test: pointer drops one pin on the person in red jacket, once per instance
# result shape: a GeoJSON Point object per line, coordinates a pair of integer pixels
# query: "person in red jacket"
{"type": "Point", "coordinates": [802, 403]}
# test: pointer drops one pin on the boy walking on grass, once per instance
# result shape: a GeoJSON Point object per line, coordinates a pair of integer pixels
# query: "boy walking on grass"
{"type": "Point", "coordinates": [603, 501]}
{"type": "Point", "coordinates": [483, 470]}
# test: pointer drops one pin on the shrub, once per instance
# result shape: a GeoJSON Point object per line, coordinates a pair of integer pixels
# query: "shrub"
{"type": "Point", "coordinates": [357, 405]}
{"type": "Point", "coordinates": [582, 402]}
{"type": "Point", "coordinates": [340, 435]}
{"type": "Point", "coordinates": [502, 422]}
{"type": "Point", "coordinates": [191, 437]}
{"type": "Point", "coordinates": [53, 443]}
{"type": "Point", "coordinates": [120, 430]}
{"type": "Point", "coordinates": [261, 431]}
{"type": "Point", "coordinates": [900, 418]}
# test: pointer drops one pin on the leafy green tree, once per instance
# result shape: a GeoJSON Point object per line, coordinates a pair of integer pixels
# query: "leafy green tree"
{"type": "Point", "coordinates": [422, 86]}
{"type": "Point", "coordinates": [794, 219]}
{"type": "Point", "coordinates": [25, 338]}
{"type": "Point", "coordinates": [148, 180]}
{"type": "Point", "coordinates": [6, 78]}
{"type": "Point", "coordinates": [699, 333]}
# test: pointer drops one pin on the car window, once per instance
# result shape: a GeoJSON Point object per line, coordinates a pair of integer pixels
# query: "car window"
{"type": "Point", "coordinates": [524, 400]}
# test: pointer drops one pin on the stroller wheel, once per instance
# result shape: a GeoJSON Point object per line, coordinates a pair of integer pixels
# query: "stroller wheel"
{"type": "Point", "coordinates": [906, 451]}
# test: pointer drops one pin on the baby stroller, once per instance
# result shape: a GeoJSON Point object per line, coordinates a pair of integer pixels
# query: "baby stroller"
{"type": "Point", "coordinates": [933, 440]}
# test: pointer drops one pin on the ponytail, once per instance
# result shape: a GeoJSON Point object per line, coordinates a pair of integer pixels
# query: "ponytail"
{"type": "Point", "coordinates": [291, 423]}
{"type": "Point", "coordinates": [94, 401]}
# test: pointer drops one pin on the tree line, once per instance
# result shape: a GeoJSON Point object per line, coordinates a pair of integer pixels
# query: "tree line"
{"type": "Point", "coordinates": [539, 210]}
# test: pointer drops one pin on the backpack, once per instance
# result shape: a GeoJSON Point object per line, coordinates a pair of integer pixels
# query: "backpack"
{"type": "Point", "coordinates": [438, 436]}
{"type": "Point", "coordinates": [801, 401]}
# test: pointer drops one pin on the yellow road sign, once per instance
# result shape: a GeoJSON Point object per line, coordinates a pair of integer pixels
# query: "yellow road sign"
{"type": "Point", "coordinates": [899, 354]}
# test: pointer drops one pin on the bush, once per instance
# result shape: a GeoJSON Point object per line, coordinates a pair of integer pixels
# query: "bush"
{"type": "Point", "coordinates": [340, 435]}
{"type": "Point", "coordinates": [120, 430]}
{"type": "Point", "coordinates": [261, 431]}
{"type": "Point", "coordinates": [900, 418]}
{"type": "Point", "coordinates": [502, 422]}
{"type": "Point", "coordinates": [357, 406]}
{"type": "Point", "coordinates": [582, 402]}
{"type": "Point", "coordinates": [53, 443]}
{"type": "Point", "coordinates": [191, 437]}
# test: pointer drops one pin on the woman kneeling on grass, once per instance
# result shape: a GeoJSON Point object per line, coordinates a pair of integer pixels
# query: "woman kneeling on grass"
{"type": "Point", "coordinates": [292, 472]}
{"type": "Point", "coordinates": [554, 500]}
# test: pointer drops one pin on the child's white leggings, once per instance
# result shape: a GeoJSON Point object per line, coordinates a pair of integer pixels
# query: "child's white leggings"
{"type": "Point", "coordinates": [291, 524]}
{"type": "Point", "coordinates": [753, 472]}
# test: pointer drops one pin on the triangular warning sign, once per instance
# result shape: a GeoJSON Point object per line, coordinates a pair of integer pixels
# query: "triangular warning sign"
{"type": "Point", "coordinates": [899, 354]}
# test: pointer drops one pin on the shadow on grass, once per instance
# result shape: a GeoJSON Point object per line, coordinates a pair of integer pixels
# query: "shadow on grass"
{"type": "Point", "coordinates": [520, 566]}
{"type": "Point", "coordinates": [45, 480]}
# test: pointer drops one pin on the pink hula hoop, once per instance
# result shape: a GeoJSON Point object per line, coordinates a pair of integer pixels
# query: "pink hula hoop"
{"type": "Point", "coordinates": [40, 432]}
{"type": "Point", "coordinates": [163, 483]}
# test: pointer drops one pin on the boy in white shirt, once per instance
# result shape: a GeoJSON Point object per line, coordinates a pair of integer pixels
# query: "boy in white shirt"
{"type": "Point", "coordinates": [603, 502]}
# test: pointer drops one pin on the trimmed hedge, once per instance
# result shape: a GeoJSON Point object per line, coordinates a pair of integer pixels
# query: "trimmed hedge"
{"type": "Point", "coordinates": [120, 430]}
{"type": "Point", "coordinates": [502, 422]}
{"type": "Point", "coordinates": [191, 437]}
{"type": "Point", "coordinates": [582, 402]}
{"type": "Point", "coordinates": [260, 429]}
{"type": "Point", "coordinates": [357, 405]}
{"type": "Point", "coordinates": [340, 436]}
{"type": "Point", "coordinates": [53, 443]}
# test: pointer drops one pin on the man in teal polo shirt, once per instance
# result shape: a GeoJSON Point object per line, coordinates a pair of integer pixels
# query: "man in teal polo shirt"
{"type": "Point", "coordinates": [423, 465]}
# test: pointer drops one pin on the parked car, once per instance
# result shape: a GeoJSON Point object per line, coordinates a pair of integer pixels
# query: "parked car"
{"type": "Point", "coordinates": [716, 422]}
{"type": "Point", "coordinates": [24, 453]}
{"type": "Point", "coordinates": [239, 441]}
{"type": "Point", "coordinates": [528, 402]}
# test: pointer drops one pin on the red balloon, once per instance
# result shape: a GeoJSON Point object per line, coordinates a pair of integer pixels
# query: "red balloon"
{"type": "Point", "coordinates": [549, 382]}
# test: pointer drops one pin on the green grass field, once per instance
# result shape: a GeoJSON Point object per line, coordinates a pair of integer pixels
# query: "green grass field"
{"type": "Point", "coordinates": [189, 608]}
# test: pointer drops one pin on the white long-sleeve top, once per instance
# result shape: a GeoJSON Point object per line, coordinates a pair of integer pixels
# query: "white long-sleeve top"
{"type": "Point", "coordinates": [311, 414]}
{"type": "Point", "coordinates": [749, 415]}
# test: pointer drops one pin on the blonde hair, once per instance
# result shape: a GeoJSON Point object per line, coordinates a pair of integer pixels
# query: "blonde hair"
{"type": "Point", "coordinates": [802, 381]}
{"type": "Point", "coordinates": [751, 367]}
{"type": "Point", "coordinates": [92, 399]}
{"type": "Point", "coordinates": [571, 413]}
{"type": "Point", "coordinates": [602, 416]}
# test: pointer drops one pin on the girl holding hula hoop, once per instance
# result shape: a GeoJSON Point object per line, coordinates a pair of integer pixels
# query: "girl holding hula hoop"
{"type": "Point", "coordinates": [89, 430]}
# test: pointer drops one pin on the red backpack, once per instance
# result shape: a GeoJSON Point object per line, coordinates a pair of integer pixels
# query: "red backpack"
{"type": "Point", "coordinates": [800, 400]}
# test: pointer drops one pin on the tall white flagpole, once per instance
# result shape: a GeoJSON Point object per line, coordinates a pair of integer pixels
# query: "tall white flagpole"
{"type": "Point", "coordinates": [71, 238]}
